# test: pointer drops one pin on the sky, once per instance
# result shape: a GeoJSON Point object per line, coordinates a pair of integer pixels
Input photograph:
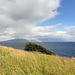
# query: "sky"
{"type": "Point", "coordinates": [37, 20]}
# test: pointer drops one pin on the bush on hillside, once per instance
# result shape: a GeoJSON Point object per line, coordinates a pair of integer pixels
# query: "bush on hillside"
{"type": "Point", "coordinates": [34, 47]}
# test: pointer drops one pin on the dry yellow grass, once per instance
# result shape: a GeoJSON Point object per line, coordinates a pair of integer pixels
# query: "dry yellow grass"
{"type": "Point", "coordinates": [19, 62]}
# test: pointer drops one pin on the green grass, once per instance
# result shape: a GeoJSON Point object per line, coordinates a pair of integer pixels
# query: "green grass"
{"type": "Point", "coordinates": [19, 62]}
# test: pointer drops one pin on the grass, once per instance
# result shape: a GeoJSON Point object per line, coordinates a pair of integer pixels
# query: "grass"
{"type": "Point", "coordinates": [19, 62]}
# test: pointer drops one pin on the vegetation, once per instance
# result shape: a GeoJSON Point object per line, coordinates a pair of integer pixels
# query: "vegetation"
{"type": "Point", "coordinates": [20, 62]}
{"type": "Point", "coordinates": [34, 47]}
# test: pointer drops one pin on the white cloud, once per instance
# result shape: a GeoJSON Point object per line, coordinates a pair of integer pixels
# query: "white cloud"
{"type": "Point", "coordinates": [69, 27]}
{"type": "Point", "coordinates": [51, 32]}
{"type": "Point", "coordinates": [71, 30]}
{"type": "Point", "coordinates": [50, 28]}
{"type": "Point", "coordinates": [18, 18]}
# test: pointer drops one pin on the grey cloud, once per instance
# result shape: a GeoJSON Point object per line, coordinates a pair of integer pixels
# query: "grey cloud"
{"type": "Point", "coordinates": [32, 10]}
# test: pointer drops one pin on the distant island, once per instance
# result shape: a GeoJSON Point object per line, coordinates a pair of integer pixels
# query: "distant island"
{"type": "Point", "coordinates": [16, 40]}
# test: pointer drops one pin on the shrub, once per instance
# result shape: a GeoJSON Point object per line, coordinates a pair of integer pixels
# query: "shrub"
{"type": "Point", "coordinates": [34, 47]}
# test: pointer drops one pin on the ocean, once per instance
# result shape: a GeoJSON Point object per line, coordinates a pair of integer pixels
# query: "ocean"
{"type": "Point", "coordinates": [63, 49]}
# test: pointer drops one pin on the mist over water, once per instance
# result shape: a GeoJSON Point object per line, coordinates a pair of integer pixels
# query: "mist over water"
{"type": "Point", "coordinates": [64, 49]}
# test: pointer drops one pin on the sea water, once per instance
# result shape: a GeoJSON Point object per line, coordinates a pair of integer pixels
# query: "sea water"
{"type": "Point", "coordinates": [63, 49]}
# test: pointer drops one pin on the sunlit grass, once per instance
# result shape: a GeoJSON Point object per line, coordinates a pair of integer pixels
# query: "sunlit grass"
{"type": "Point", "coordinates": [19, 62]}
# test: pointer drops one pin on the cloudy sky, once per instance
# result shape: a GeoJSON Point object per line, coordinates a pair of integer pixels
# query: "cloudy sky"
{"type": "Point", "coordinates": [45, 20]}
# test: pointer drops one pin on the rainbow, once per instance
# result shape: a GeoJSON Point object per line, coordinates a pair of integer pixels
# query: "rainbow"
{"type": "Point", "coordinates": [40, 41]}
{"type": "Point", "coordinates": [37, 40]}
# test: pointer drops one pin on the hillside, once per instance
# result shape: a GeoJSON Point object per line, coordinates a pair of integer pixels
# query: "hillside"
{"type": "Point", "coordinates": [19, 62]}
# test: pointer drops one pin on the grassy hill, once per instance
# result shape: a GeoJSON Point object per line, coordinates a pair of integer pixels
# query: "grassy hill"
{"type": "Point", "coordinates": [19, 62]}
